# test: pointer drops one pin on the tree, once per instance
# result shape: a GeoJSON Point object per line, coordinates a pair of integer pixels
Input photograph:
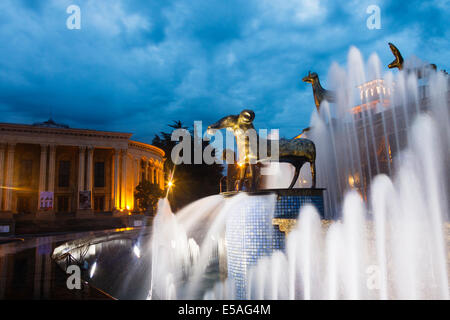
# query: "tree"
{"type": "Point", "coordinates": [147, 195]}
{"type": "Point", "coordinates": [191, 181]}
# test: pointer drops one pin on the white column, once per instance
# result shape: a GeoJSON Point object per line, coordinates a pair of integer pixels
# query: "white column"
{"type": "Point", "coordinates": [90, 171]}
{"type": "Point", "coordinates": [161, 179]}
{"type": "Point", "coordinates": [116, 179]}
{"type": "Point", "coordinates": [146, 169]}
{"type": "Point", "coordinates": [81, 159]}
{"type": "Point", "coordinates": [136, 172]}
{"type": "Point", "coordinates": [137, 166]}
{"type": "Point", "coordinates": [42, 172]}
{"type": "Point", "coordinates": [9, 176]}
{"type": "Point", "coordinates": [51, 170]}
{"type": "Point", "coordinates": [2, 172]}
{"type": "Point", "coordinates": [151, 174]}
{"type": "Point", "coordinates": [123, 190]}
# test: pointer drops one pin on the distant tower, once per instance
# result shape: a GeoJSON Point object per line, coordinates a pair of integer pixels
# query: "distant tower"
{"type": "Point", "coordinates": [372, 93]}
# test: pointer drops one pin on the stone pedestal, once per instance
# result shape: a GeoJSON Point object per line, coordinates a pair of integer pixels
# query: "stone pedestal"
{"type": "Point", "coordinates": [258, 227]}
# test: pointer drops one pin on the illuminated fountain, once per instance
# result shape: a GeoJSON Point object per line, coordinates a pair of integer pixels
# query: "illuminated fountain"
{"type": "Point", "coordinates": [382, 153]}
{"type": "Point", "coordinates": [389, 240]}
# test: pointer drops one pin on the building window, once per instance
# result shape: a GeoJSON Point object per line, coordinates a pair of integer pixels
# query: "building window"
{"type": "Point", "coordinates": [99, 175]}
{"type": "Point", "coordinates": [64, 174]}
{"type": "Point", "coordinates": [25, 173]}
{"type": "Point", "coordinates": [63, 204]}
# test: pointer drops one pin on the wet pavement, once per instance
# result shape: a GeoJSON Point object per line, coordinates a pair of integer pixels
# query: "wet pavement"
{"type": "Point", "coordinates": [27, 270]}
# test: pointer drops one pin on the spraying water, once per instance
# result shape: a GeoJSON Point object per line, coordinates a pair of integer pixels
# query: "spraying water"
{"type": "Point", "coordinates": [385, 166]}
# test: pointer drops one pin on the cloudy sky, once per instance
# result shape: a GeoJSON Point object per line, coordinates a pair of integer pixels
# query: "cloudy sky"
{"type": "Point", "coordinates": [135, 66]}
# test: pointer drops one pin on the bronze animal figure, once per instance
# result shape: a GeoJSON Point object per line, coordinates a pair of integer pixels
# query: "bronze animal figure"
{"type": "Point", "coordinates": [296, 152]}
{"type": "Point", "coordinates": [320, 94]}
{"type": "Point", "coordinates": [398, 62]}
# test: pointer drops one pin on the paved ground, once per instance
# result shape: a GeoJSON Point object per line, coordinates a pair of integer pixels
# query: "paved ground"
{"type": "Point", "coordinates": [28, 272]}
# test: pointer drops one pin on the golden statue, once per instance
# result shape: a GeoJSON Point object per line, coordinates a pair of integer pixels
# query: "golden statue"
{"type": "Point", "coordinates": [295, 151]}
{"type": "Point", "coordinates": [320, 94]}
{"type": "Point", "coordinates": [398, 62]}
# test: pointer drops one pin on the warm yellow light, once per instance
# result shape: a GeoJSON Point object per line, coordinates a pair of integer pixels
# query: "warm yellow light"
{"type": "Point", "coordinates": [128, 207]}
{"type": "Point", "coordinates": [351, 181]}
{"type": "Point", "coordinates": [170, 184]}
{"type": "Point", "coordinates": [124, 229]}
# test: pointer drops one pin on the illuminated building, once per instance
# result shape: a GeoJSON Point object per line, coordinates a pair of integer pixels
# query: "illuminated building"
{"type": "Point", "coordinates": [47, 168]}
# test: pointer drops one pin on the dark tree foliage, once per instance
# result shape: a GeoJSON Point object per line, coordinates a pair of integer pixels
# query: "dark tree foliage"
{"type": "Point", "coordinates": [147, 195]}
{"type": "Point", "coordinates": [191, 181]}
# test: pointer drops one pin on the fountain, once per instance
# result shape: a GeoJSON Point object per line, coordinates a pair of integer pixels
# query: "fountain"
{"type": "Point", "coordinates": [384, 234]}
{"type": "Point", "coordinates": [379, 231]}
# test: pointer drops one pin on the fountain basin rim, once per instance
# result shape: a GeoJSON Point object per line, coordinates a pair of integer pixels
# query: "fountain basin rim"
{"type": "Point", "coordinates": [278, 192]}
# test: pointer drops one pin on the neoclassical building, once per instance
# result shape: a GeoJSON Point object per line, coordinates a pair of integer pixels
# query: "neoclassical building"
{"type": "Point", "coordinates": [47, 168]}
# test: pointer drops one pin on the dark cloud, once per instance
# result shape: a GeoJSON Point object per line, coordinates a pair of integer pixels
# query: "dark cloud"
{"type": "Point", "coordinates": [137, 65]}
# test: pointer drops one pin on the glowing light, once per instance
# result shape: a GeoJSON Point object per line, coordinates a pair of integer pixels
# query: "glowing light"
{"type": "Point", "coordinates": [128, 207]}
{"type": "Point", "coordinates": [94, 267]}
{"type": "Point", "coordinates": [351, 181]}
{"type": "Point", "coordinates": [123, 229]}
{"type": "Point", "coordinates": [170, 184]}
{"type": "Point", "coordinates": [137, 251]}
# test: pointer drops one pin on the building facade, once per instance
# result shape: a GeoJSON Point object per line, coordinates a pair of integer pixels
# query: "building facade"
{"type": "Point", "coordinates": [48, 168]}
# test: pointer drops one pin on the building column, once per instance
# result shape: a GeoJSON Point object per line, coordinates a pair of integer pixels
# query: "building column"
{"type": "Point", "coordinates": [90, 171]}
{"type": "Point", "coordinates": [42, 173]}
{"type": "Point", "coordinates": [81, 158]}
{"type": "Point", "coordinates": [123, 191]}
{"type": "Point", "coordinates": [136, 173]}
{"type": "Point", "coordinates": [2, 172]}
{"type": "Point", "coordinates": [51, 170]}
{"type": "Point", "coordinates": [116, 179]}
{"type": "Point", "coordinates": [9, 176]}
{"type": "Point", "coordinates": [151, 174]}
{"type": "Point", "coordinates": [146, 169]}
{"type": "Point", "coordinates": [161, 179]}
{"type": "Point", "coordinates": [137, 164]}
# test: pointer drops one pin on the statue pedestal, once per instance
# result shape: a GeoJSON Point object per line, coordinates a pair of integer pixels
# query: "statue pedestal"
{"type": "Point", "coordinates": [259, 227]}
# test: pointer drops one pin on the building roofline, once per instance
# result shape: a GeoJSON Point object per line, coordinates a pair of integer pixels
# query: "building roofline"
{"type": "Point", "coordinates": [147, 146]}
{"type": "Point", "coordinates": [43, 129]}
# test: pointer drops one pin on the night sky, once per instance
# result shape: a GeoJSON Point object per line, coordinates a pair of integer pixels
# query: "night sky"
{"type": "Point", "coordinates": [136, 66]}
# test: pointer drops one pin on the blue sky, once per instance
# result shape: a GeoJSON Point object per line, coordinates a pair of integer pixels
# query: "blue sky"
{"type": "Point", "coordinates": [137, 65]}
